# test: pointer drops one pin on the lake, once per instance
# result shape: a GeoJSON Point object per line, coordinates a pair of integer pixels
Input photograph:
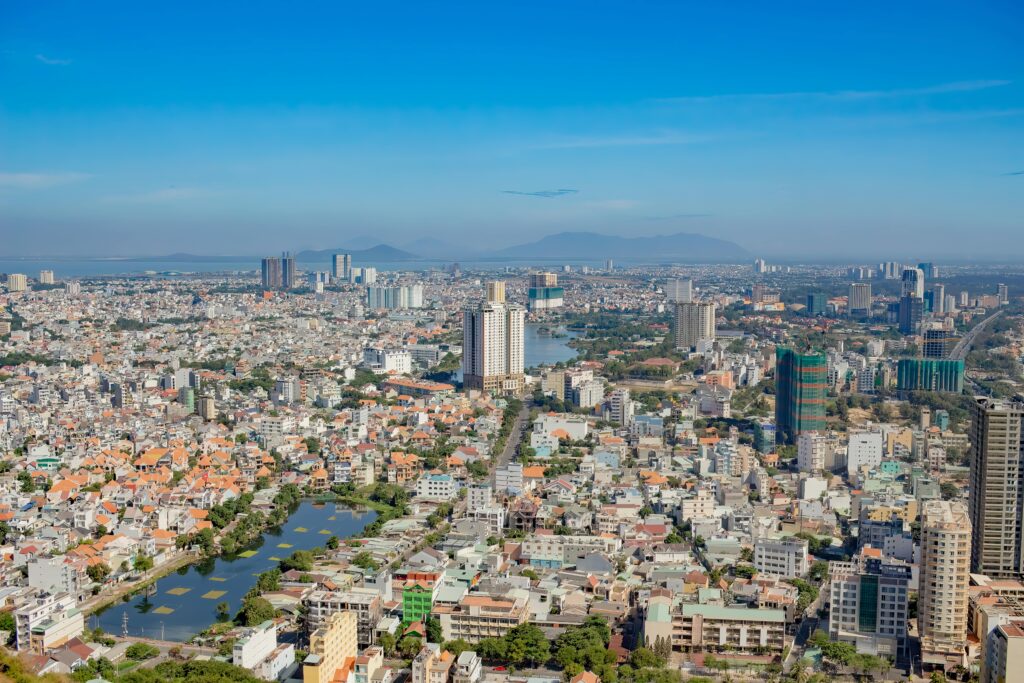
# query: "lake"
{"type": "Point", "coordinates": [185, 602]}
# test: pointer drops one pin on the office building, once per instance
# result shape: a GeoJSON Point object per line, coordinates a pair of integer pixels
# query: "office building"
{"type": "Point", "coordinates": [698, 627]}
{"type": "Point", "coordinates": [271, 273]}
{"type": "Point", "coordinates": [869, 603]}
{"type": "Point", "coordinates": [912, 283]}
{"type": "Point", "coordinates": [911, 313]}
{"type": "Point", "coordinates": [341, 266]}
{"type": "Point", "coordinates": [930, 374]}
{"type": "Point", "coordinates": [801, 381]}
{"type": "Point", "coordinates": [1003, 293]}
{"type": "Point", "coordinates": [46, 277]}
{"type": "Point", "coordinates": [544, 292]}
{"type": "Point", "coordinates": [997, 488]}
{"type": "Point", "coordinates": [859, 299]}
{"type": "Point", "coordinates": [817, 302]}
{"type": "Point", "coordinates": [17, 282]}
{"type": "Point", "coordinates": [496, 292]}
{"type": "Point", "coordinates": [693, 322]}
{"type": "Point", "coordinates": [935, 298]}
{"type": "Point", "coordinates": [493, 346]}
{"type": "Point", "coordinates": [944, 582]}
{"type": "Point", "coordinates": [679, 290]}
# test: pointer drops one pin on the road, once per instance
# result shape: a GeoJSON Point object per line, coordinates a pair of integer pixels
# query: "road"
{"type": "Point", "coordinates": [513, 440]}
{"type": "Point", "coordinates": [964, 346]}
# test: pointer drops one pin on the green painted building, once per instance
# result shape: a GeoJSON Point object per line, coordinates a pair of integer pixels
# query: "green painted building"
{"type": "Point", "coordinates": [801, 382]}
{"type": "Point", "coordinates": [417, 601]}
{"type": "Point", "coordinates": [930, 374]}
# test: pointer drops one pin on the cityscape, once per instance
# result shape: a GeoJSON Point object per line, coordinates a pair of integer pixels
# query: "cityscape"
{"type": "Point", "coordinates": [549, 343]}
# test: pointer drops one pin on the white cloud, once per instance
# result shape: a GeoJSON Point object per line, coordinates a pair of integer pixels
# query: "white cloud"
{"type": "Point", "coordinates": [52, 61]}
{"type": "Point", "coordinates": [162, 196]}
{"type": "Point", "coordinates": [846, 95]}
{"type": "Point", "coordinates": [669, 138]}
{"type": "Point", "coordinates": [36, 181]}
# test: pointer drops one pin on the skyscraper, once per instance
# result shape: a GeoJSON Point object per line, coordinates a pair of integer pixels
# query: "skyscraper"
{"type": "Point", "coordinates": [341, 265]}
{"type": "Point", "coordinates": [493, 347]}
{"type": "Point", "coordinates": [544, 292]}
{"type": "Point", "coordinates": [288, 280]}
{"type": "Point", "coordinates": [816, 303]}
{"type": "Point", "coordinates": [911, 313]}
{"type": "Point", "coordinates": [46, 277]}
{"type": "Point", "coordinates": [913, 282]}
{"type": "Point", "coordinates": [944, 581]}
{"type": "Point", "coordinates": [496, 292]}
{"type": "Point", "coordinates": [997, 487]}
{"type": "Point", "coordinates": [17, 282]}
{"type": "Point", "coordinates": [1004, 294]}
{"type": "Point", "coordinates": [801, 380]}
{"type": "Point", "coordinates": [679, 291]}
{"type": "Point", "coordinates": [271, 272]}
{"type": "Point", "coordinates": [693, 322]}
{"type": "Point", "coordinates": [859, 303]}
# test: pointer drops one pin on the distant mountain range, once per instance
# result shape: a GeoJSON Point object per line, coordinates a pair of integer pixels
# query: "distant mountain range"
{"type": "Point", "coordinates": [687, 246]}
{"type": "Point", "coordinates": [381, 252]}
{"type": "Point", "coordinates": [682, 246]}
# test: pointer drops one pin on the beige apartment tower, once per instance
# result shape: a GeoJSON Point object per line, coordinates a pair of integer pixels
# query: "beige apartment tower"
{"type": "Point", "coordinates": [493, 347]}
{"type": "Point", "coordinates": [693, 322]}
{"type": "Point", "coordinates": [997, 490]}
{"type": "Point", "coordinates": [496, 292]}
{"type": "Point", "coordinates": [944, 579]}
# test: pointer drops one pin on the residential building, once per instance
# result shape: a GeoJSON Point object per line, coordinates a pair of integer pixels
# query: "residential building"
{"type": "Point", "coordinates": [478, 616]}
{"type": "Point", "coordinates": [288, 274]}
{"type": "Point", "coordinates": [365, 604]}
{"type": "Point", "coordinates": [544, 292]}
{"type": "Point", "coordinates": [432, 665]}
{"type": "Point", "coordinates": [271, 273]}
{"type": "Point", "coordinates": [620, 407]}
{"type": "Point", "coordinates": [17, 282]}
{"type": "Point", "coordinates": [997, 487]}
{"type": "Point", "coordinates": [692, 323]}
{"type": "Point", "coordinates": [492, 348]}
{"type": "Point", "coordinates": [341, 266]}
{"type": "Point", "coordinates": [441, 488]}
{"type": "Point", "coordinates": [859, 299]}
{"type": "Point", "coordinates": [330, 647]}
{"type": "Point", "coordinates": [785, 557]}
{"type": "Point", "coordinates": [944, 581]}
{"type": "Point", "coordinates": [679, 291]}
{"type": "Point", "coordinates": [696, 627]}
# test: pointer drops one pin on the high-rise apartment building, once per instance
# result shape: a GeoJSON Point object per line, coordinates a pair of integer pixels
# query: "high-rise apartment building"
{"type": "Point", "coordinates": [288, 274]}
{"type": "Point", "coordinates": [679, 290]}
{"type": "Point", "coordinates": [17, 282]}
{"type": "Point", "coordinates": [406, 296]}
{"type": "Point", "coordinates": [693, 322]}
{"type": "Point", "coordinates": [620, 407]}
{"type": "Point", "coordinates": [46, 277]}
{"type": "Point", "coordinates": [930, 374]}
{"type": "Point", "coordinates": [271, 273]}
{"type": "Point", "coordinates": [496, 292]}
{"type": "Point", "coordinates": [544, 292]}
{"type": "Point", "coordinates": [341, 266]}
{"type": "Point", "coordinates": [1004, 294]}
{"type": "Point", "coordinates": [997, 487]}
{"type": "Point", "coordinates": [801, 380]}
{"type": "Point", "coordinates": [939, 341]}
{"type": "Point", "coordinates": [859, 301]}
{"type": "Point", "coordinates": [944, 580]}
{"type": "Point", "coordinates": [493, 346]}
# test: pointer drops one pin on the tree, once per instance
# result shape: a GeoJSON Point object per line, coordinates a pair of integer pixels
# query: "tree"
{"type": "Point", "coordinates": [256, 610]}
{"type": "Point", "coordinates": [333, 543]}
{"type": "Point", "coordinates": [101, 531]}
{"type": "Point", "coordinates": [223, 610]}
{"type": "Point", "coordinates": [410, 645]}
{"type": "Point", "coordinates": [387, 643]}
{"type": "Point", "coordinates": [433, 626]}
{"type": "Point", "coordinates": [143, 563]}
{"type": "Point", "coordinates": [98, 572]}
{"type": "Point", "coordinates": [364, 560]}
{"type": "Point", "coordinates": [643, 658]}
{"type": "Point", "coordinates": [141, 651]}
{"type": "Point", "coordinates": [949, 490]}
{"type": "Point", "coordinates": [301, 560]}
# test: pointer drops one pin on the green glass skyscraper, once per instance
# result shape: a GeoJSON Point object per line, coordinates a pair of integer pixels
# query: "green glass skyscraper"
{"type": "Point", "coordinates": [800, 385]}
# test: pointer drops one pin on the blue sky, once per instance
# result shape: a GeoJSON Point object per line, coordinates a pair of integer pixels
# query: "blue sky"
{"type": "Point", "coordinates": [793, 128]}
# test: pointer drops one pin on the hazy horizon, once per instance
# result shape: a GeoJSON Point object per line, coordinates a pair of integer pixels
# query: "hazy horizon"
{"type": "Point", "coordinates": [803, 132]}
